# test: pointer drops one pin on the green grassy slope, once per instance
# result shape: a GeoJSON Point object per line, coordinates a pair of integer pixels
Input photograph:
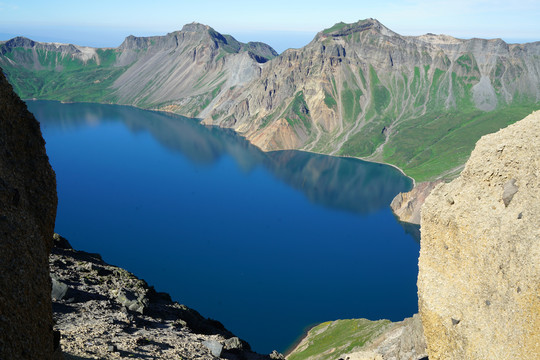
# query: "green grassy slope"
{"type": "Point", "coordinates": [429, 137]}
{"type": "Point", "coordinates": [51, 75]}
{"type": "Point", "coordinates": [332, 339]}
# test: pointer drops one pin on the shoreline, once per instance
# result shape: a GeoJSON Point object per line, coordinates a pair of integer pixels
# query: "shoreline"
{"type": "Point", "coordinates": [290, 348]}
{"type": "Point", "coordinates": [236, 132]}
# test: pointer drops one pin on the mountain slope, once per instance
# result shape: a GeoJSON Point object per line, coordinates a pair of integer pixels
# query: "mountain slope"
{"type": "Point", "coordinates": [360, 89]}
{"type": "Point", "coordinates": [181, 71]}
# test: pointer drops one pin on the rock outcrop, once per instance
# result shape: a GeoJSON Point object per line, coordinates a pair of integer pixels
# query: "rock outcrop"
{"type": "Point", "coordinates": [27, 215]}
{"type": "Point", "coordinates": [479, 268]}
{"type": "Point", "coordinates": [406, 206]}
{"type": "Point", "coordinates": [361, 339]}
{"type": "Point", "coordinates": [105, 312]}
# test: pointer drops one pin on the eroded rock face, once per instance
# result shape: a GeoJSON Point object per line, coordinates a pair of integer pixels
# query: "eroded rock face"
{"type": "Point", "coordinates": [403, 340]}
{"type": "Point", "coordinates": [479, 279]}
{"type": "Point", "coordinates": [27, 214]}
{"type": "Point", "coordinates": [407, 206]}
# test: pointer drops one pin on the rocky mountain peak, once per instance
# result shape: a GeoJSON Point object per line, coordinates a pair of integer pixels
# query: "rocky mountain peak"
{"type": "Point", "coordinates": [195, 34]}
{"type": "Point", "coordinates": [196, 27]}
{"type": "Point", "coordinates": [342, 29]}
{"type": "Point", "coordinates": [20, 41]}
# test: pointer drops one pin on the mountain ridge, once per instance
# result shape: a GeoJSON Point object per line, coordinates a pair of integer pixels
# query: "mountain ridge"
{"type": "Point", "coordinates": [361, 90]}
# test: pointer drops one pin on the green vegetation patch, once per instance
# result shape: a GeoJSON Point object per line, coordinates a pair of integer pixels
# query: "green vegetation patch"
{"type": "Point", "coordinates": [329, 101]}
{"type": "Point", "coordinates": [51, 75]}
{"type": "Point", "coordinates": [366, 141]}
{"type": "Point", "coordinates": [435, 143]}
{"type": "Point", "coordinates": [350, 100]}
{"type": "Point", "coordinates": [330, 340]}
{"type": "Point", "coordinates": [297, 113]}
{"type": "Point", "coordinates": [84, 84]}
{"type": "Point", "coordinates": [336, 27]}
{"type": "Point", "coordinates": [437, 87]}
{"type": "Point", "coordinates": [380, 96]}
{"type": "Point", "coordinates": [466, 61]}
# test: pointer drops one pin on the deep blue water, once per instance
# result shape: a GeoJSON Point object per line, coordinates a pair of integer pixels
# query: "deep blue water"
{"type": "Point", "coordinates": [266, 243]}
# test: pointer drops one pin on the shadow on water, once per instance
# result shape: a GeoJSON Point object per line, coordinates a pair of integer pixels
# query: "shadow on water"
{"type": "Point", "coordinates": [341, 183]}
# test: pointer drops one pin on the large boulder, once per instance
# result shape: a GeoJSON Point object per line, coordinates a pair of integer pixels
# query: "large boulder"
{"type": "Point", "coordinates": [479, 267]}
{"type": "Point", "coordinates": [407, 206]}
{"type": "Point", "coordinates": [27, 214]}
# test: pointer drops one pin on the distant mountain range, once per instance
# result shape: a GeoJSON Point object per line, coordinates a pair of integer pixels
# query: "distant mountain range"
{"type": "Point", "coordinates": [418, 102]}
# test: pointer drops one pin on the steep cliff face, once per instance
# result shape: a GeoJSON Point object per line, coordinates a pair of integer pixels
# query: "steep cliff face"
{"type": "Point", "coordinates": [479, 276]}
{"type": "Point", "coordinates": [187, 70]}
{"type": "Point", "coordinates": [27, 214]}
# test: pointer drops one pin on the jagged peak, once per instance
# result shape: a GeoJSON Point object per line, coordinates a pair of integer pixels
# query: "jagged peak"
{"type": "Point", "coordinates": [196, 27]}
{"type": "Point", "coordinates": [439, 39]}
{"type": "Point", "coordinates": [199, 32]}
{"type": "Point", "coordinates": [26, 43]}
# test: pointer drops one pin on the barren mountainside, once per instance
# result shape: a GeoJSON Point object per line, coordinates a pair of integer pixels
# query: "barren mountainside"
{"type": "Point", "coordinates": [418, 102]}
{"type": "Point", "coordinates": [180, 72]}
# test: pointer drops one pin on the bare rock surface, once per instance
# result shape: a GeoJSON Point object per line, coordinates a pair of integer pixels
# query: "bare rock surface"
{"type": "Point", "coordinates": [108, 313]}
{"type": "Point", "coordinates": [407, 206]}
{"type": "Point", "coordinates": [362, 339]}
{"type": "Point", "coordinates": [27, 214]}
{"type": "Point", "coordinates": [479, 279]}
{"type": "Point", "coordinates": [403, 340]}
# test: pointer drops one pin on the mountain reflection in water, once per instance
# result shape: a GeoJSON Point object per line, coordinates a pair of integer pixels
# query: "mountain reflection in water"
{"type": "Point", "coordinates": [267, 243]}
{"type": "Point", "coordinates": [340, 183]}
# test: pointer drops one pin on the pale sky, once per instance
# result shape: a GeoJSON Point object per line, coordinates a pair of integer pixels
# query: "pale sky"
{"type": "Point", "coordinates": [280, 23]}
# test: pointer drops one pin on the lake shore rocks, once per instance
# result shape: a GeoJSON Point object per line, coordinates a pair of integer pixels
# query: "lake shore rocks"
{"type": "Point", "coordinates": [108, 313]}
{"type": "Point", "coordinates": [479, 268]}
{"type": "Point", "coordinates": [406, 206]}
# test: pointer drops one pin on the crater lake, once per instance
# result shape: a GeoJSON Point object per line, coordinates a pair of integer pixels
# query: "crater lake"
{"type": "Point", "coordinates": [268, 244]}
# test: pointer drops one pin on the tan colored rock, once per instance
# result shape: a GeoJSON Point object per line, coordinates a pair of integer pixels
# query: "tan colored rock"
{"type": "Point", "coordinates": [406, 206]}
{"type": "Point", "coordinates": [479, 267]}
{"type": "Point", "coordinates": [366, 340]}
{"type": "Point", "coordinates": [27, 214]}
{"type": "Point", "coordinates": [403, 340]}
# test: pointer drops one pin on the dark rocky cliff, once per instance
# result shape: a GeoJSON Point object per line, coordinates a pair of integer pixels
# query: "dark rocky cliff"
{"type": "Point", "coordinates": [27, 214]}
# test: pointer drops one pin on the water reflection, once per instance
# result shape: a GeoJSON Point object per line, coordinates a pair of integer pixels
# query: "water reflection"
{"type": "Point", "coordinates": [225, 228]}
{"type": "Point", "coordinates": [341, 183]}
